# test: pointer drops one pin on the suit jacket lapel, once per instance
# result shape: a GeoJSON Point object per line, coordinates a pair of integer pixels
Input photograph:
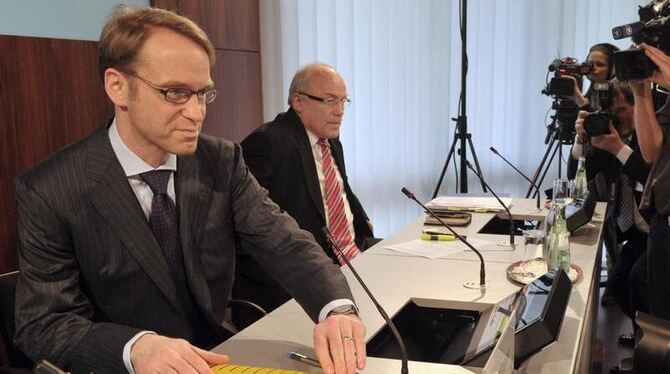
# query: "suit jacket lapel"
{"type": "Point", "coordinates": [193, 189]}
{"type": "Point", "coordinates": [308, 164]}
{"type": "Point", "coordinates": [117, 204]}
{"type": "Point", "coordinates": [338, 156]}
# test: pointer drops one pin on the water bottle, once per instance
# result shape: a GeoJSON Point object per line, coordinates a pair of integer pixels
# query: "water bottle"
{"type": "Point", "coordinates": [581, 188]}
{"type": "Point", "coordinates": [558, 238]}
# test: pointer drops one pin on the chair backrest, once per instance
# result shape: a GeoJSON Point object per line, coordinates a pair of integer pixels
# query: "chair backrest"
{"type": "Point", "coordinates": [652, 347]}
{"type": "Point", "coordinates": [17, 358]}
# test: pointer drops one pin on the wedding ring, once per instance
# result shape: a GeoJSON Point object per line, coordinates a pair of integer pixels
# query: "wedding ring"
{"type": "Point", "coordinates": [345, 338]}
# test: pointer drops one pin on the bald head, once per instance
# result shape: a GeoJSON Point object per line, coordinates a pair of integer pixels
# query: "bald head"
{"type": "Point", "coordinates": [317, 95]}
{"type": "Point", "coordinates": [308, 73]}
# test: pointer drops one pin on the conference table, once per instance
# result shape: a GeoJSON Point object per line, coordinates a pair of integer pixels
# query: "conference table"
{"type": "Point", "coordinates": [395, 277]}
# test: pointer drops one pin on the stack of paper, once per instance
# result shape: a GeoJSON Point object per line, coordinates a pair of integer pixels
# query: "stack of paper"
{"type": "Point", "coordinates": [470, 204]}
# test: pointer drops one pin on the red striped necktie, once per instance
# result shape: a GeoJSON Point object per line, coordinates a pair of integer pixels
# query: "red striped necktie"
{"type": "Point", "coordinates": [337, 219]}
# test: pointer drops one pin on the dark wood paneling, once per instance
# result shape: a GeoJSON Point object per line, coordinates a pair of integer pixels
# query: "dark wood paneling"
{"type": "Point", "coordinates": [51, 96]}
{"type": "Point", "coordinates": [231, 24]}
{"type": "Point", "coordinates": [238, 109]}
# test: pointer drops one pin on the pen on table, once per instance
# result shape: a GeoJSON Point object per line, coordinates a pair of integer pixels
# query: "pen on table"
{"type": "Point", "coordinates": [440, 237]}
{"type": "Point", "coordinates": [304, 359]}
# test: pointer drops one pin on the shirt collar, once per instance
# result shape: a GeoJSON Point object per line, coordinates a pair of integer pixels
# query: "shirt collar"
{"type": "Point", "coordinates": [131, 163]}
{"type": "Point", "coordinates": [313, 139]}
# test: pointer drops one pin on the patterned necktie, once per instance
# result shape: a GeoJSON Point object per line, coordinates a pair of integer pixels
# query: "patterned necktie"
{"type": "Point", "coordinates": [337, 219]}
{"type": "Point", "coordinates": [165, 226]}
{"type": "Point", "coordinates": [625, 215]}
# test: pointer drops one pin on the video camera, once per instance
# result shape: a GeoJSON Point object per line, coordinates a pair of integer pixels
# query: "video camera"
{"type": "Point", "coordinates": [559, 85]}
{"type": "Point", "coordinates": [653, 29]}
{"type": "Point", "coordinates": [562, 89]}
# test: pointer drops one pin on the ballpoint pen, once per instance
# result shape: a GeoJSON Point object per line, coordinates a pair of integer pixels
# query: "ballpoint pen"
{"type": "Point", "coordinates": [304, 359]}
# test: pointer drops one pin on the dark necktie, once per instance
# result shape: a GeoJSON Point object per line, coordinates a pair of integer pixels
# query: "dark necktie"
{"type": "Point", "coordinates": [626, 215]}
{"type": "Point", "coordinates": [165, 226]}
{"type": "Point", "coordinates": [626, 207]}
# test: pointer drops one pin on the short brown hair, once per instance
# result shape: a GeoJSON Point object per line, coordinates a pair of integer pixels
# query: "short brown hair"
{"type": "Point", "coordinates": [622, 88]}
{"type": "Point", "coordinates": [128, 28]}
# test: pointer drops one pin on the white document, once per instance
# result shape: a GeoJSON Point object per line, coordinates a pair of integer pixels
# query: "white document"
{"type": "Point", "coordinates": [436, 249]}
{"type": "Point", "coordinates": [469, 203]}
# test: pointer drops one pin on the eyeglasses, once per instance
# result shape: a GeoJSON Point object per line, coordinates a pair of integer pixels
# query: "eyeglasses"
{"type": "Point", "coordinates": [180, 95]}
{"type": "Point", "coordinates": [330, 101]}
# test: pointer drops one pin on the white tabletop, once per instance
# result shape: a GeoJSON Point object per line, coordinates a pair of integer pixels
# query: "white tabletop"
{"type": "Point", "coordinates": [395, 277]}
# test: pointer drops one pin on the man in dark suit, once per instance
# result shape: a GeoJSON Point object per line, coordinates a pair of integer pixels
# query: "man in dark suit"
{"type": "Point", "coordinates": [128, 237]}
{"type": "Point", "coordinates": [615, 162]}
{"type": "Point", "coordinates": [289, 157]}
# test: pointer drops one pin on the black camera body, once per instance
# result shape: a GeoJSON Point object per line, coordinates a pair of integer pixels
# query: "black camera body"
{"type": "Point", "coordinates": [597, 122]}
{"type": "Point", "coordinates": [560, 85]}
{"type": "Point", "coordinates": [653, 29]}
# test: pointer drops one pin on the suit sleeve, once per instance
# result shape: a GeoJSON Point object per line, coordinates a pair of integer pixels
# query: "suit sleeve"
{"type": "Point", "coordinates": [280, 247]}
{"type": "Point", "coordinates": [637, 168]}
{"type": "Point", "coordinates": [53, 315]}
{"type": "Point", "coordinates": [258, 155]}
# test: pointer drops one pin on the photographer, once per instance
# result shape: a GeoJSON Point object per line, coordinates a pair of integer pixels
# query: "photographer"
{"type": "Point", "coordinates": [654, 142]}
{"type": "Point", "coordinates": [615, 164]}
{"type": "Point", "coordinates": [600, 57]}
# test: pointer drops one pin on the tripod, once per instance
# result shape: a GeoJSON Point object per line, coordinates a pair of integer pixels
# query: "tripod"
{"type": "Point", "coordinates": [556, 138]}
{"type": "Point", "coordinates": [461, 135]}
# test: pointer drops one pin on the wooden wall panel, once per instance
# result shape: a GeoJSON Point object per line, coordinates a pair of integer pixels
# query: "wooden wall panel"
{"type": "Point", "coordinates": [51, 96]}
{"type": "Point", "coordinates": [237, 110]}
{"type": "Point", "coordinates": [231, 24]}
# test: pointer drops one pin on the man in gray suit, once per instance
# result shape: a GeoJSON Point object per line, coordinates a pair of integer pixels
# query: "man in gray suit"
{"type": "Point", "coordinates": [127, 237]}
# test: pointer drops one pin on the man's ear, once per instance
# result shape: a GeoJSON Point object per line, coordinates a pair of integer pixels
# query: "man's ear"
{"type": "Point", "coordinates": [117, 87]}
{"type": "Point", "coordinates": [296, 103]}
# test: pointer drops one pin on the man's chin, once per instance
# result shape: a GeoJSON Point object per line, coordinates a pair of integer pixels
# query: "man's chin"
{"type": "Point", "coordinates": [186, 149]}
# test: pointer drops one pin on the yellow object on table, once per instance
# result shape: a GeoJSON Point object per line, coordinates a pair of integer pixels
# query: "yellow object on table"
{"type": "Point", "coordinates": [241, 369]}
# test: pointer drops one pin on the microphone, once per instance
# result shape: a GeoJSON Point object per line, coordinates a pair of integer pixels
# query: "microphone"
{"type": "Point", "coordinates": [522, 174]}
{"type": "Point", "coordinates": [482, 272]}
{"type": "Point", "coordinates": [401, 344]}
{"type": "Point", "coordinates": [511, 220]}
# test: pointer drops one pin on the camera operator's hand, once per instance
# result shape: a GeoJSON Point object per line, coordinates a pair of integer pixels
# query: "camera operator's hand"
{"type": "Point", "coordinates": [579, 127]}
{"type": "Point", "coordinates": [647, 128]}
{"type": "Point", "coordinates": [611, 142]}
{"type": "Point", "coordinates": [662, 74]}
{"type": "Point", "coordinates": [576, 94]}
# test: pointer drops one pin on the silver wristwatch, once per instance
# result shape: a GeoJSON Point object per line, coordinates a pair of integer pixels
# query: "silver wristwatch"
{"type": "Point", "coordinates": [344, 309]}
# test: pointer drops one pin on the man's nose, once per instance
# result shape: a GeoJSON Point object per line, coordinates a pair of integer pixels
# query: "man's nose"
{"type": "Point", "coordinates": [194, 109]}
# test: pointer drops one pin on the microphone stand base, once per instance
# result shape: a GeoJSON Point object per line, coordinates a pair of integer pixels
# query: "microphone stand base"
{"type": "Point", "coordinates": [506, 243]}
{"type": "Point", "coordinates": [475, 285]}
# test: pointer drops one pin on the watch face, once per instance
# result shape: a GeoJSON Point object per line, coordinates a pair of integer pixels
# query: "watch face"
{"type": "Point", "coordinates": [344, 309]}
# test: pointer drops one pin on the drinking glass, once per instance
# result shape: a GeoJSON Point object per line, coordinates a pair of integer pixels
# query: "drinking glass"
{"type": "Point", "coordinates": [535, 246]}
{"type": "Point", "coordinates": [561, 190]}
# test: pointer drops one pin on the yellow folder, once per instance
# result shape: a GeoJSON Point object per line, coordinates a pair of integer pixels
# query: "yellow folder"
{"type": "Point", "coordinates": [241, 369]}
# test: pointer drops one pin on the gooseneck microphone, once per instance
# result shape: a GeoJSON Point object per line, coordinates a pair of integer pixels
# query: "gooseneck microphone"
{"type": "Point", "coordinates": [511, 220]}
{"type": "Point", "coordinates": [482, 271]}
{"type": "Point", "coordinates": [519, 171]}
{"type": "Point", "coordinates": [401, 344]}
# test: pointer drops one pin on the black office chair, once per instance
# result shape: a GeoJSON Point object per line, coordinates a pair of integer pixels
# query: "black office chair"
{"type": "Point", "coordinates": [652, 351]}
{"type": "Point", "coordinates": [17, 358]}
{"type": "Point", "coordinates": [244, 313]}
